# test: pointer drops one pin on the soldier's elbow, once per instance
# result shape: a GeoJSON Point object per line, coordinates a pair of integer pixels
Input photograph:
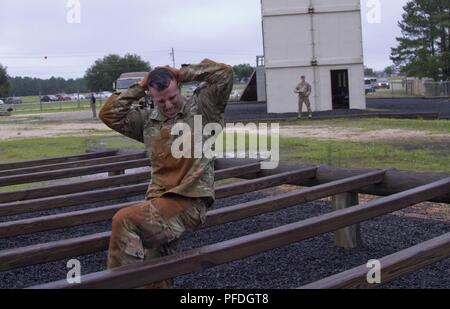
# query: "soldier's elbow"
{"type": "Point", "coordinates": [103, 114]}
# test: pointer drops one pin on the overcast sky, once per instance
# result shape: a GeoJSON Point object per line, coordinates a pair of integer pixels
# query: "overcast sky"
{"type": "Point", "coordinates": [224, 30]}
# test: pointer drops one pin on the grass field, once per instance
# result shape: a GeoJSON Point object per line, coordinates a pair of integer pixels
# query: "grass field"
{"type": "Point", "coordinates": [401, 155]}
{"type": "Point", "coordinates": [373, 124]}
{"type": "Point", "coordinates": [429, 154]}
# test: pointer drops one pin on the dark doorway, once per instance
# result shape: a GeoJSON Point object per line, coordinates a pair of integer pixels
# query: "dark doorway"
{"type": "Point", "coordinates": [340, 89]}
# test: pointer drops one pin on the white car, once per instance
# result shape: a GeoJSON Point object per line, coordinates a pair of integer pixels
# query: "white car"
{"type": "Point", "coordinates": [76, 97]}
{"type": "Point", "coordinates": [102, 95]}
{"type": "Point", "coordinates": [5, 109]}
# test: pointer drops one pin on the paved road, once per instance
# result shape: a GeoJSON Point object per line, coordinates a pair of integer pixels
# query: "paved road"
{"type": "Point", "coordinates": [441, 106]}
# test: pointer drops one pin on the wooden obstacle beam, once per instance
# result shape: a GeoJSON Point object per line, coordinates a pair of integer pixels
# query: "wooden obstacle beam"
{"type": "Point", "coordinates": [86, 197]}
{"type": "Point", "coordinates": [40, 224]}
{"type": "Point", "coordinates": [140, 274]}
{"type": "Point", "coordinates": [89, 185]}
{"type": "Point", "coordinates": [72, 172]}
{"type": "Point", "coordinates": [394, 181]}
{"type": "Point", "coordinates": [52, 251]}
{"type": "Point", "coordinates": [97, 154]}
{"type": "Point", "coordinates": [61, 166]}
{"type": "Point", "coordinates": [393, 266]}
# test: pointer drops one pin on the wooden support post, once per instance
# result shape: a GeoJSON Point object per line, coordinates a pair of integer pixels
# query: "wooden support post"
{"type": "Point", "coordinates": [349, 237]}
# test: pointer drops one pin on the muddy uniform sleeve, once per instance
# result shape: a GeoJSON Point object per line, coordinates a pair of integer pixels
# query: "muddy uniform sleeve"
{"type": "Point", "coordinates": [214, 91]}
{"type": "Point", "coordinates": [119, 115]}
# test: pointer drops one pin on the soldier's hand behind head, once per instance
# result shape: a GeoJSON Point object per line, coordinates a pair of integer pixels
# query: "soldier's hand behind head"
{"type": "Point", "coordinates": [144, 83]}
{"type": "Point", "coordinates": [174, 71]}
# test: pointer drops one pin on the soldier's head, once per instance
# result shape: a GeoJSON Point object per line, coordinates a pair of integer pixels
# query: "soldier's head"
{"type": "Point", "coordinates": [165, 91]}
{"type": "Point", "coordinates": [302, 78]}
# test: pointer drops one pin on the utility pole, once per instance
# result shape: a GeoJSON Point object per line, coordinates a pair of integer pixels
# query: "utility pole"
{"type": "Point", "coordinates": [172, 55]}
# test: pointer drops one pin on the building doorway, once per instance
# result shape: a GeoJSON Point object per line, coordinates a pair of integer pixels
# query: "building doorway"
{"type": "Point", "coordinates": [340, 91]}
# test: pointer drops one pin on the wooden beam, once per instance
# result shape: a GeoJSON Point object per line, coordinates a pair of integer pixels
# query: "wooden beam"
{"type": "Point", "coordinates": [87, 156]}
{"type": "Point", "coordinates": [393, 266]}
{"type": "Point", "coordinates": [348, 237]}
{"type": "Point", "coordinates": [66, 165]}
{"type": "Point", "coordinates": [75, 187]}
{"type": "Point", "coordinates": [140, 274]}
{"type": "Point", "coordinates": [42, 253]}
{"type": "Point", "coordinates": [90, 185]}
{"type": "Point", "coordinates": [92, 196]}
{"type": "Point", "coordinates": [46, 223]}
{"type": "Point", "coordinates": [395, 181]}
{"type": "Point", "coordinates": [72, 172]}
{"type": "Point", "coordinates": [74, 199]}
{"type": "Point", "coordinates": [266, 182]}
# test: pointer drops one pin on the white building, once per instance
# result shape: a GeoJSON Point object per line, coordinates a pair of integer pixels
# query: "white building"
{"type": "Point", "coordinates": [321, 39]}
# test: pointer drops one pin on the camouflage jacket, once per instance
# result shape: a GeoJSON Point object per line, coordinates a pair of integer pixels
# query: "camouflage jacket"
{"type": "Point", "coordinates": [303, 89]}
{"type": "Point", "coordinates": [190, 177]}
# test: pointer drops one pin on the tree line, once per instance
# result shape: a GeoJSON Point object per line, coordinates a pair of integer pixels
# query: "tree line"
{"type": "Point", "coordinates": [423, 51]}
{"type": "Point", "coordinates": [99, 77]}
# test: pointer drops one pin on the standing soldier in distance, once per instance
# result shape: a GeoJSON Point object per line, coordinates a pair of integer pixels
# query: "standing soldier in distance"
{"type": "Point", "coordinates": [93, 106]}
{"type": "Point", "coordinates": [181, 190]}
{"type": "Point", "coordinates": [303, 90]}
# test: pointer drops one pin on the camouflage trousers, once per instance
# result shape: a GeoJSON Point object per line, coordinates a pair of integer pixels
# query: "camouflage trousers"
{"type": "Point", "coordinates": [152, 229]}
{"type": "Point", "coordinates": [304, 99]}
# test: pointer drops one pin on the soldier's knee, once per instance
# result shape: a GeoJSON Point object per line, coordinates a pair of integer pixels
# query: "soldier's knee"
{"type": "Point", "coordinates": [121, 219]}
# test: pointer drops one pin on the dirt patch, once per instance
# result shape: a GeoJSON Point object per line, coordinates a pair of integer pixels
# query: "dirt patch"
{"type": "Point", "coordinates": [349, 134]}
{"type": "Point", "coordinates": [355, 134]}
{"type": "Point", "coordinates": [12, 131]}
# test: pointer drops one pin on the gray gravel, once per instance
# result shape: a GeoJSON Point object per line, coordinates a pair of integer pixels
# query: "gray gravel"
{"type": "Point", "coordinates": [288, 267]}
{"type": "Point", "coordinates": [236, 112]}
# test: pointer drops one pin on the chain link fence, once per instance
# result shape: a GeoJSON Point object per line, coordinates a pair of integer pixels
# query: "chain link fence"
{"type": "Point", "coordinates": [412, 88]}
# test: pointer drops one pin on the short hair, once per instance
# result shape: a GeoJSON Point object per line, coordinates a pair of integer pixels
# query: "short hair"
{"type": "Point", "coordinates": [303, 76]}
{"type": "Point", "coordinates": [160, 78]}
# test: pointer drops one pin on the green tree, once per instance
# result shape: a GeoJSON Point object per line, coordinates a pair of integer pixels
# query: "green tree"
{"type": "Point", "coordinates": [389, 70]}
{"type": "Point", "coordinates": [243, 71]}
{"type": "Point", "coordinates": [368, 71]}
{"type": "Point", "coordinates": [424, 48]}
{"type": "Point", "coordinates": [4, 82]}
{"type": "Point", "coordinates": [102, 74]}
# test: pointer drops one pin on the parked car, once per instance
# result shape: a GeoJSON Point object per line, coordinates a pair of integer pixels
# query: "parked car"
{"type": "Point", "coordinates": [368, 85]}
{"type": "Point", "coordinates": [49, 98]}
{"type": "Point", "coordinates": [383, 84]}
{"type": "Point", "coordinates": [102, 95]}
{"type": "Point", "coordinates": [63, 97]}
{"type": "Point", "coordinates": [13, 100]}
{"type": "Point", "coordinates": [5, 109]}
{"type": "Point", "coordinates": [76, 97]}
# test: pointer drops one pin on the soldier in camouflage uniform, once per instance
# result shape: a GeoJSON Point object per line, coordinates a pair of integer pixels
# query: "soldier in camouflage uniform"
{"type": "Point", "coordinates": [303, 90]}
{"type": "Point", "coordinates": [181, 190]}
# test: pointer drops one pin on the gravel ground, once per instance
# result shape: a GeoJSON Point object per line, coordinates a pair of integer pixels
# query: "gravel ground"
{"type": "Point", "coordinates": [288, 267]}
